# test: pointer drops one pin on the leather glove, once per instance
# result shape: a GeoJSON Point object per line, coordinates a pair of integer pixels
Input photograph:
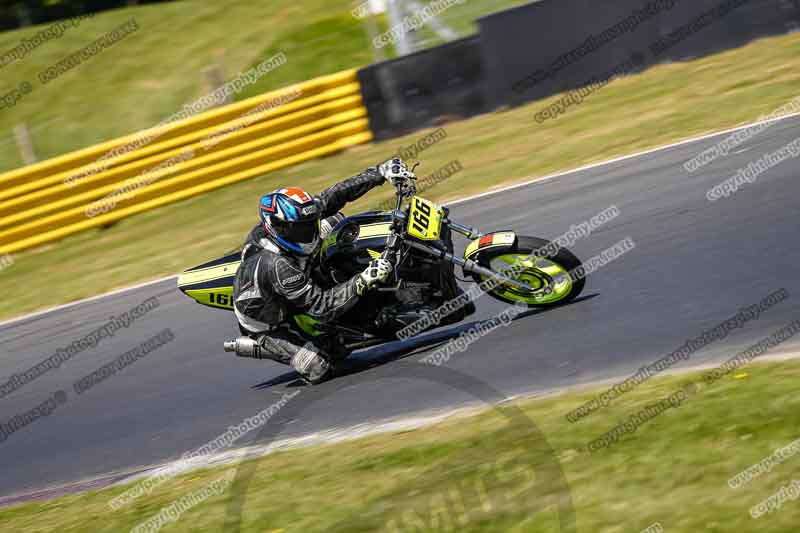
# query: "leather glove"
{"type": "Point", "coordinates": [377, 272]}
{"type": "Point", "coordinates": [396, 172]}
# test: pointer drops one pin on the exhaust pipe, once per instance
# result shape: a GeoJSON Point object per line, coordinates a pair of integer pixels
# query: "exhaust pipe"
{"type": "Point", "coordinates": [243, 346]}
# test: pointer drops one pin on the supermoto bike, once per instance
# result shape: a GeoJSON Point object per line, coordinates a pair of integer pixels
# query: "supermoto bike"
{"type": "Point", "coordinates": [416, 239]}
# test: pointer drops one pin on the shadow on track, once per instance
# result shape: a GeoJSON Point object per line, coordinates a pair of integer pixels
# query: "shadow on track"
{"type": "Point", "coordinates": [397, 350]}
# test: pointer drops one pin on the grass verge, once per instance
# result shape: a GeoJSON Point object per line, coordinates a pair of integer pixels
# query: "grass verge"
{"type": "Point", "coordinates": [485, 472]}
{"type": "Point", "coordinates": [152, 73]}
{"type": "Point", "coordinates": [664, 104]}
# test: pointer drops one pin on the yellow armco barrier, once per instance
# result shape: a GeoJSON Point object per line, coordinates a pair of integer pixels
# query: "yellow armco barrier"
{"type": "Point", "coordinates": [291, 113]}
{"type": "Point", "coordinates": [180, 160]}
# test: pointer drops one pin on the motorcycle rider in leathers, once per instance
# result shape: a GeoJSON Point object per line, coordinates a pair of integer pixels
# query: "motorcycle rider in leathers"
{"type": "Point", "coordinates": [275, 279]}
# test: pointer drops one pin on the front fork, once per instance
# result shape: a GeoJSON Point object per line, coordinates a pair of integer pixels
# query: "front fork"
{"type": "Point", "coordinates": [470, 266]}
{"type": "Point", "coordinates": [394, 241]}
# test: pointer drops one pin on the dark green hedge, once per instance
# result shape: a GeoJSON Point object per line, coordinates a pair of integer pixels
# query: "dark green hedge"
{"type": "Point", "coordinates": [20, 13]}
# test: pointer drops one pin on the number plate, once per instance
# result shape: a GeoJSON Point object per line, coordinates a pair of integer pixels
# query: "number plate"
{"type": "Point", "coordinates": [425, 220]}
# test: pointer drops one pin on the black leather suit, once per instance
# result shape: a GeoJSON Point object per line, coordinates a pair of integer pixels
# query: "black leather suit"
{"type": "Point", "coordinates": [272, 284]}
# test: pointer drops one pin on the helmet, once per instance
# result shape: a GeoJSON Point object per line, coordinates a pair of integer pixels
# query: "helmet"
{"type": "Point", "coordinates": [291, 218]}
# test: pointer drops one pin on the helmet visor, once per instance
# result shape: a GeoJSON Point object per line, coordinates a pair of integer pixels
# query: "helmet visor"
{"type": "Point", "coordinates": [302, 232]}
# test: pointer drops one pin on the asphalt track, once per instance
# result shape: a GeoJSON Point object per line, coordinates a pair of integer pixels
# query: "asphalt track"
{"type": "Point", "coordinates": [694, 265]}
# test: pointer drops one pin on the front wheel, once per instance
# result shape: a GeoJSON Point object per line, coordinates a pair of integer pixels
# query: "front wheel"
{"type": "Point", "coordinates": [556, 278]}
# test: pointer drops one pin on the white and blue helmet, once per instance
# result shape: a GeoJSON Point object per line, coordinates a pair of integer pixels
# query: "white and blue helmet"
{"type": "Point", "coordinates": [291, 218]}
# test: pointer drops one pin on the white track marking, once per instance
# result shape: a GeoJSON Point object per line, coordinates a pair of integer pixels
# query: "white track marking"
{"type": "Point", "coordinates": [86, 300]}
{"type": "Point", "coordinates": [618, 159]}
{"type": "Point", "coordinates": [453, 202]}
{"type": "Point", "coordinates": [342, 434]}
{"type": "Point", "coordinates": [420, 420]}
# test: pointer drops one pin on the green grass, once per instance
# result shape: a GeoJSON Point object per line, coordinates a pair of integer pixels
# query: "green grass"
{"type": "Point", "coordinates": [664, 104]}
{"type": "Point", "coordinates": [151, 74]}
{"type": "Point", "coordinates": [143, 79]}
{"type": "Point", "coordinates": [673, 470]}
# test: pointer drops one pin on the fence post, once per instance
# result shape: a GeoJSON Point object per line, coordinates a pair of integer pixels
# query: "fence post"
{"type": "Point", "coordinates": [23, 137]}
{"type": "Point", "coordinates": [215, 77]}
{"type": "Point", "coordinates": [372, 31]}
{"type": "Point", "coordinates": [405, 41]}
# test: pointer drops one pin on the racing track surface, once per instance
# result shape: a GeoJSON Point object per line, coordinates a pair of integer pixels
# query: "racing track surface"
{"type": "Point", "coordinates": [695, 264]}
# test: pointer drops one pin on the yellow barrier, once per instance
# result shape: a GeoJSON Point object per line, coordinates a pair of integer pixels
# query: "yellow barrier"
{"type": "Point", "coordinates": [211, 150]}
{"type": "Point", "coordinates": [245, 140]}
{"type": "Point", "coordinates": [89, 155]}
{"type": "Point", "coordinates": [119, 214]}
{"type": "Point", "coordinates": [270, 120]}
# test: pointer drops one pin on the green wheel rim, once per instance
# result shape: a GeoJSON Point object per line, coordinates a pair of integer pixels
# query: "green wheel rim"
{"type": "Point", "coordinates": [532, 275]}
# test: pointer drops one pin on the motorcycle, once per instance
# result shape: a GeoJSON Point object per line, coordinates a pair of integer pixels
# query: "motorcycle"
{"type": "Point", "coordinates": [417, 240]}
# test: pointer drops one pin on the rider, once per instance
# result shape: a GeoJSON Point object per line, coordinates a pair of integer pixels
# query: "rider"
{"type": "Point", "coordinates": [275, 278]}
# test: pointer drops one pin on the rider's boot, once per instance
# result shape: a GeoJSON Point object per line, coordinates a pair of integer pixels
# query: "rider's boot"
{"type": "Point", "coordinates": [309, 360]}
{"type": "Point", "coordinates": [314, 366]}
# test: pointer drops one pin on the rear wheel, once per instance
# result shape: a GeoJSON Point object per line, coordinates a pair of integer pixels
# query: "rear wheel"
{"type": "Point", "coordinates": [553, 278]}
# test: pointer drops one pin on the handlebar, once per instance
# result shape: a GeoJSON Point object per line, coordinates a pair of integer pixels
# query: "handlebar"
{"type": "Point", "coordinates": [393, 241]}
